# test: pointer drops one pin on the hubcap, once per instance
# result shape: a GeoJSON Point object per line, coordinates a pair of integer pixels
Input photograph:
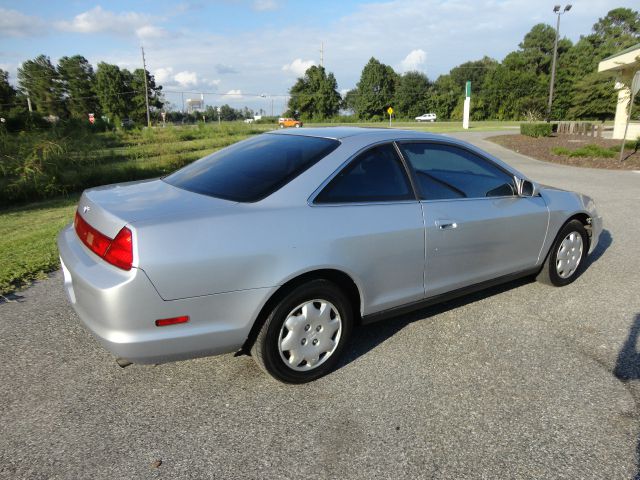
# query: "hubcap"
{"type": "Point", "coordinates": [309, 335]}
{"type": "Point", "coordinates": [569, 255]}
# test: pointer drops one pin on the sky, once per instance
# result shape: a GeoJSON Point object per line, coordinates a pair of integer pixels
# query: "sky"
{"type": "Point", "coordinates": [250, 52]}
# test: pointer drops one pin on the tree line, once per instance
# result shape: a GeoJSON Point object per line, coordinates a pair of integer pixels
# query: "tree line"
{"type": "Point", "coordinates": [513, 89]}
{"type": "Point", "coordinates": [72, 89]}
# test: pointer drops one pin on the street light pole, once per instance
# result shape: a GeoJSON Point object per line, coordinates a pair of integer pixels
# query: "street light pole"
{"type": "Point", "coordinates": [557, 11]}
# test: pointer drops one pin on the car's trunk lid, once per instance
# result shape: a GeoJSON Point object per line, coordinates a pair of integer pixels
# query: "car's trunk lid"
{"type": "Point", "coordinates": [111, 207]}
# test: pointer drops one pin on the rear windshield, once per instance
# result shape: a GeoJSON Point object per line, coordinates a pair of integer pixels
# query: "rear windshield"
{"type": "Point", "coordinates": [253, 169]}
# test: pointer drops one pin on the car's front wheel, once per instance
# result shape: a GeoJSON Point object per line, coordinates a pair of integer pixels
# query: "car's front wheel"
{"type": "Point", "coordinates": [566, 258]}
{"type": "Point", "coordinates": [305, 333]}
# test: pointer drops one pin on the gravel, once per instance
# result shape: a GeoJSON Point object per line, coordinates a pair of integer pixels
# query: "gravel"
{"type": "Point", "coordinates": [521, 381]}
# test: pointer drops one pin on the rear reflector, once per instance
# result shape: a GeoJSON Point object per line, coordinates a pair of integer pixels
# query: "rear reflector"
{"type": "Point", "coordinates": [117, 251]}
{"type": "Point", "coordinates": [172, 321]}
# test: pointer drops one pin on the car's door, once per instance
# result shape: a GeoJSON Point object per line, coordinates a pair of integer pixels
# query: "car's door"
{"type": "Point", "coordinates": [376, 227]}
{"type": "Point", "coordinates": [477, 227]}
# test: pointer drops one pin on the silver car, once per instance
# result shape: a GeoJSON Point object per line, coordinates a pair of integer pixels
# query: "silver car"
{"type": "Point", "coordinates": [279, 245]}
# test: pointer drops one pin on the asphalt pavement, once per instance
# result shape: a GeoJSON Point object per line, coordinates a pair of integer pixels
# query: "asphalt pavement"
{"type": "Point", "coordinates": [521, 381]}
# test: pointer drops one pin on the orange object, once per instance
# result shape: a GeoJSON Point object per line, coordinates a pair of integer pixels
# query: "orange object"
{"type": "Point", "coordinates": [289, 122]}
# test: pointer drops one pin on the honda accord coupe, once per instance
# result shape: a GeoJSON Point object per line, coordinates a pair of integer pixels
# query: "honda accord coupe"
{"type": "Point", "coordinates": [279, 245]}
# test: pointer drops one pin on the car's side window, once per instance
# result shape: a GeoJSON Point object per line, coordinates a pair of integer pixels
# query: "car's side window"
{"type": "Point", "coordinates": [376, 175]}
{"type": "Point", "coordinates": [448, 172]}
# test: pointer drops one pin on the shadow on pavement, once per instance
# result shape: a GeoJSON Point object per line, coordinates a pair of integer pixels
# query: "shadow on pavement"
{"type": "Point", "coordinates": [373, 335]}
{"type": "Point", "coordinates": [628, 368]}
{"type": "Point", "coordinates": [604, 242]}
{"type": "Point", "coordinates": [370, 336]}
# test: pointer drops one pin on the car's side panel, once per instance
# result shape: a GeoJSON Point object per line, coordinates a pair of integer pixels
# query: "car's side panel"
{"type": "Point", "coordinates": [380, 245]}
{"type": "Point", "coordinates": [473, 240]}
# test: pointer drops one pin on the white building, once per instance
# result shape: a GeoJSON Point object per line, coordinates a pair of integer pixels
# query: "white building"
{"type": "Point", "coordinates": [195, 104]}
{"type": "Point", "coordinates": [625, 64]}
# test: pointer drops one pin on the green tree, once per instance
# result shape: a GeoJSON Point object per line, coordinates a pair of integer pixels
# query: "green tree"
{"type": "Point", "coordinates": [112, 87]}
{"type": "Point", "coordinates": [7, 92]}
{"type": "Point", "coordinates": [77, 80]}
{"type": "Point", "coordinates": [444, 96]}
{"type": "Point", "coordinates": [135, 83]}
{"type": "Point", "coordinates": [315, 95]}
{"type": "Point", "coordinates": [375, 90]}
{"type": "Point", "coordinates": [39, 80]}
{"type": "Point", "coordinates": [582, 92]}
{"type": "Point", "coordinates": [412, 95]}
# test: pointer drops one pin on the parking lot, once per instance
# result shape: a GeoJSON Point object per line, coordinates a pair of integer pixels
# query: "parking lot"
{"type": "Point", "coordinates": [520, 381]}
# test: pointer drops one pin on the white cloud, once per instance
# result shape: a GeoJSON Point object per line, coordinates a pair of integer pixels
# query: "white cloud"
{"type": "Point", "coordinates": [265, 5]}
{"type": "Point", "coordinates": [212, 83]}
{"type": "Point", "coordinates": [99, 20]}
{"type": "Point", "coordinates": [298, 66]}
{"type": "Point", "coordinates": [150, 31]}
{"type": "Point", "coordinates": [186, 79]}
{"type": "Point", "coordinates": [163, 75]}
{"type": "Point", "coordinates": [17, 24]}
{"type": "Point", "coordinates": [414, 60]}
{"type": "Point", "coordinates": [236, 94]}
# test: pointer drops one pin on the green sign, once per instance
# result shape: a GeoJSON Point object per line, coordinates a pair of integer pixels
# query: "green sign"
{"type": "Point", "coordinates": [468, 89]}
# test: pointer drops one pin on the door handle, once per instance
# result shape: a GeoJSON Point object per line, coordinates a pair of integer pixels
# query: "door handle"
{"type": "Point", "coordinates": [446, 224]}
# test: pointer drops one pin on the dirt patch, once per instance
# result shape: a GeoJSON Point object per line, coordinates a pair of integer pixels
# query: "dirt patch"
{"type": "Point", "coordinates": [541, 149]}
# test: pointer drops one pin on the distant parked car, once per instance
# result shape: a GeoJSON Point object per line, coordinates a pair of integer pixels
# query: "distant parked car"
{"type": "Point", "coordinates": [248, 120]}
{"type": "Point", "coordinates": [127, 123]}
{"type": "Point", "coordinates": [427, 117]}
{"type": "Point", "coordinates": [289, 122]}
{"type": "Point", "coordinates": [280, 244]}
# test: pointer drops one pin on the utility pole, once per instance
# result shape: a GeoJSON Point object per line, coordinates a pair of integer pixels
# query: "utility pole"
{"type": "Point", "coordinates": [146, 88]}
{"type": "Point", "coordinates": [557, 11]}
{"type": "Point", "coordinates": [322, 54]}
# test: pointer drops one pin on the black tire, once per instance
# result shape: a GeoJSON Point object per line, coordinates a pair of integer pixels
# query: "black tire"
{"type": "Point", "coordinates": [265, 350]}
{"type": "Point", "coordinates": [549, 273]}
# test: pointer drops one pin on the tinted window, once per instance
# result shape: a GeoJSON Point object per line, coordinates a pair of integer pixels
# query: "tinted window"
{"type": "Point", "coordinates": [253, 169]}
{"type": "Point", "coordinates": [446, 172]}
{"type": "Point", "coordinates": [376, 175]}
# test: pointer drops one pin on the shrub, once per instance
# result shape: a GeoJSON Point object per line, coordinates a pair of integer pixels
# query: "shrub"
{"type": "Point", "coordinates": [588, 151]}
{"type": "Point", "coordinates": [536, 129]}
{"type": "Point", "coordinates": [560, 151]}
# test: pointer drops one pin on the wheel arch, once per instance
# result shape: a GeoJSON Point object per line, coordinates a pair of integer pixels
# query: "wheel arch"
{"type": "Point", "coordinates": [583, 218]}
{"type": "Point", "coordinates": [344, 281]}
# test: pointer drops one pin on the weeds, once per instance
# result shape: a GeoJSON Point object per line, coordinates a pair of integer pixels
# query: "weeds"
{"type": "Point", "coordinates": [44, 164]}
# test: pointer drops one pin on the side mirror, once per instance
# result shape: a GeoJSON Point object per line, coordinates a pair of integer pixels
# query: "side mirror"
{"type": "Point", "coordinates": [527, 188]}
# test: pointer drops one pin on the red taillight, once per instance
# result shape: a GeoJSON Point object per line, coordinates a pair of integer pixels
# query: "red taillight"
{"type": "Point", "coordinates": [171, 321]}
{"type": "Point", "coordinates": [118, 252]}
{"type": "Point", "coordinates": [92, 238]}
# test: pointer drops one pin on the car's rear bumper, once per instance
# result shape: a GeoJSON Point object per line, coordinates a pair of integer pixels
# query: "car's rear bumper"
{"type": "Point", "coordinates": [120, 308]}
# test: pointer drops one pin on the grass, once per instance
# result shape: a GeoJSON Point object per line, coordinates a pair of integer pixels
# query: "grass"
{"type": "Point", "coordinates": [587, 151]}
{"type": "Point", "coordinates": [434, 127]}
{"type": "Point", "coordinates": [28, 241]}
{"type": "Point", "coordinates": [51, 164]}
{"type": "Point", "coordinates": [47, 164]}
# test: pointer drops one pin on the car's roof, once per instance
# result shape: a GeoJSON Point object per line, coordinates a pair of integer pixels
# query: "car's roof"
{"type": "Point", "coordinates": [344, 132]}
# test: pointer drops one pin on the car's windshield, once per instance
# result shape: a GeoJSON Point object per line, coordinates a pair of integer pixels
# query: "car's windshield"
{"type": "Point", "coordinates": [253, 169]}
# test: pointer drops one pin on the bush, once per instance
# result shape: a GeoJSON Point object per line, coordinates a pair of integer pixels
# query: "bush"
{"type": "Point", "coordinates": [536, 129]}
{"type": "Point", "coordinates": [588, 151]}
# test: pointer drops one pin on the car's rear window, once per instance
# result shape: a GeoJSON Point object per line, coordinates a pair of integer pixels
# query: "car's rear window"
{"type": "Point", "coordinates": [253, 169]}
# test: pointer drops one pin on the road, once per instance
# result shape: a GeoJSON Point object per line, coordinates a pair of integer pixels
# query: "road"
{"type": "Point", "coordinates": [521, 381]}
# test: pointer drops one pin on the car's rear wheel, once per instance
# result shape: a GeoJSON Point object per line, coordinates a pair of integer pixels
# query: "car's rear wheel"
{"type": "Point", "coordinates": [297, 125]}
{"type": "Point", "coordinates": [281, 126]}
{"type": "Point", "coordinates": [305, 333]}
{"type": "Point", "coordinates": [565, 261]}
